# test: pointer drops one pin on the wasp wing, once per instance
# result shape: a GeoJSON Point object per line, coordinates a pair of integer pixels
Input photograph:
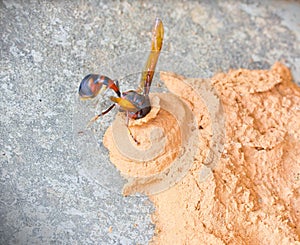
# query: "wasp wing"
{"type": "Point", "coordinates": [149, 68]}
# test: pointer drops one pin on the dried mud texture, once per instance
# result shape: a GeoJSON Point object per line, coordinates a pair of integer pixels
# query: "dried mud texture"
{"type": "Point", "coordinates": [158, 160]}
{"type": "Point", "coordinates": [253, 195]}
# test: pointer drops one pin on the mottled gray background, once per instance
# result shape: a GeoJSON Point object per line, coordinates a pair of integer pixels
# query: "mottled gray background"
{"type": "Point", "coordinates": [50, 189]}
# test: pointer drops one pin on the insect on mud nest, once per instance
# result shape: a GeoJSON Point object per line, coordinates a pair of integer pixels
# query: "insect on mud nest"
{"type": "Point", "coordinates": [135, 103]}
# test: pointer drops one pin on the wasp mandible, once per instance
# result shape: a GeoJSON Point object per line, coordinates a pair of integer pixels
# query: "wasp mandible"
{"type": "Point", "coordinates": [135, 103]}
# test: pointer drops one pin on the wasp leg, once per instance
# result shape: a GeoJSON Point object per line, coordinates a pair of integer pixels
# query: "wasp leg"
{"type": "Point", "coordinates": [95, 118]}
{"type": "Point", "coordinates": [117, 84]}
{"type": "Point", "coordinates": [127, 123]}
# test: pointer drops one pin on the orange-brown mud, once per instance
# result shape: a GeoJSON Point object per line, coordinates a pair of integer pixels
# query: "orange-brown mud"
{"type": "Point", "coordinates": [252, 194]}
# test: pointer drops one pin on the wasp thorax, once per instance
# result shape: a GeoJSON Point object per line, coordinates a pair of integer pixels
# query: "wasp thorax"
{"type": "Point", "coordinates": [141, 103]}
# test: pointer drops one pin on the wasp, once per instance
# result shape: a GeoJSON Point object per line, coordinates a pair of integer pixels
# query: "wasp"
{"type": "Point", "coordinates": [135, 103]}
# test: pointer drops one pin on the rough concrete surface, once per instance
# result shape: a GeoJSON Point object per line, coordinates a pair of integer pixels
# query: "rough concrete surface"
{"type": "Point", "coordinates": [50, 190]}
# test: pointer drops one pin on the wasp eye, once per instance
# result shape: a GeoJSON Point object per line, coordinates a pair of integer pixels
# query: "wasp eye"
{"type": "Point", "coordinates": [89, 86]}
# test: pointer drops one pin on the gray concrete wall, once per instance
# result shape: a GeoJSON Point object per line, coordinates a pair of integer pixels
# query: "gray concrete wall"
{"type": "Point", "coordinates": [53, 188]}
